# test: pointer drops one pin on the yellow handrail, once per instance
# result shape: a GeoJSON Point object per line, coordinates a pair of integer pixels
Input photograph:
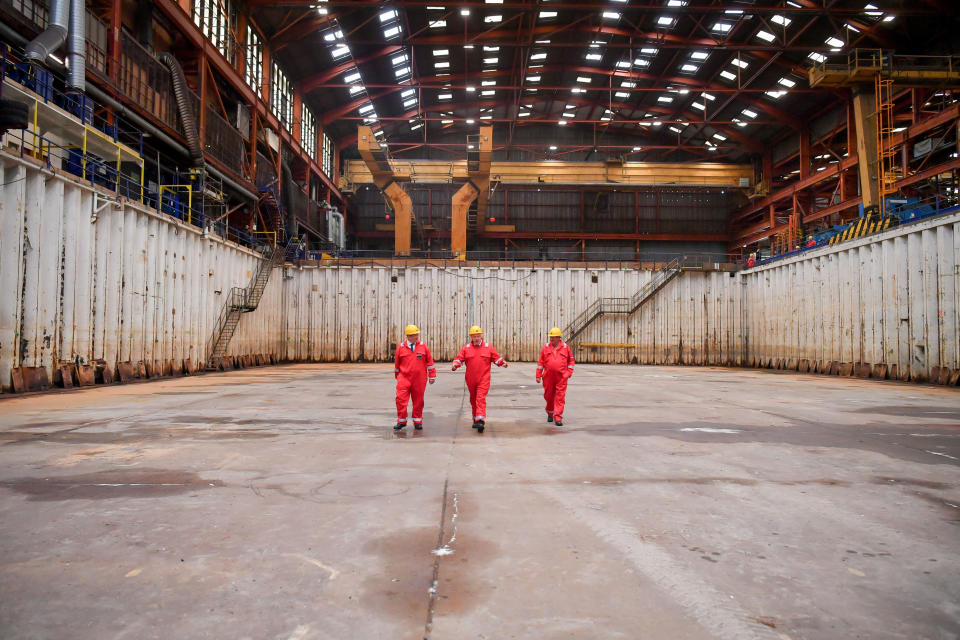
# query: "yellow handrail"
{"type": "Point", "coordinates": [273, 243]}
{"type": "Point", "coordinates": [189, 189]}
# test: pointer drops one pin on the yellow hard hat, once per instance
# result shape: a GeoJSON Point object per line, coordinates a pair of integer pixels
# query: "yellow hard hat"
{"type": "Point", "coordinates": [475, 330]}
{"type": "Point", "coordinates": [555, 332]}
{"type": "Point", "coordinates": [410, 330]}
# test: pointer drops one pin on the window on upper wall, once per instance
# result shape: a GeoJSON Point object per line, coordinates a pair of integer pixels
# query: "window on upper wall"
{"type": "Point", "coordinates": [281, 97]}
{"type": "Point", "coordinates": [326, 162]}
{"type": "Point", "coordinates": [215, 19]}
{"type": "Point", "coordinates": [308, 133]}
{"type": "Point", "coordinates": [253, 69]}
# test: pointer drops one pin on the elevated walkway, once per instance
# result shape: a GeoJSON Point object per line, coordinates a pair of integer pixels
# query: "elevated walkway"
{"type": "Point", "coordinates": [862, 66]}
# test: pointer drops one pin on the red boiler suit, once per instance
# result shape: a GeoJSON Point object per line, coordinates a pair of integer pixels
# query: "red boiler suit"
{"type": "Point", "coordinates": [411, 368]}
{"type": "Point", "coordinates": [555, 365]}
{"type": "Point", "coordinates": [477, 361]}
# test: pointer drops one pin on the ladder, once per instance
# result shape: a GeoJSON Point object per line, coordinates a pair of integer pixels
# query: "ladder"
{"type": "Point", "coordinates": [887, 172]}
{"type": "Point", "coordinates": [242, 300]}
{"type": "Point", "coordinates": [624, 306]}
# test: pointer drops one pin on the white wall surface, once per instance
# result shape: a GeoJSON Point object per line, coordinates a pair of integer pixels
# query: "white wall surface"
{"type": "Point", "coordinates": [129, 285]}
{"type": "Point", "coordinates": [133, 285]}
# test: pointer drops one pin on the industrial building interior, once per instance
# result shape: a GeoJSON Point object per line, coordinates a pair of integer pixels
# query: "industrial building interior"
{"type": "Point", "coordinates": [727, 230]}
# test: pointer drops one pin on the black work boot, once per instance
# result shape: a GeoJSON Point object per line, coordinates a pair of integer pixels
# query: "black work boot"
{"type": "Point", "coordinates": [476, 424]}
{"type": "Point", "coordinates": [480, 426]}
{"type": "Point", "coordinates": [399, 425]}
{"type": "Point", "coordinates": [418, 427]}
{"type": "Point", "coordinates": [559, 421]}
{"type": "Point", "coordinates": [549, 418]}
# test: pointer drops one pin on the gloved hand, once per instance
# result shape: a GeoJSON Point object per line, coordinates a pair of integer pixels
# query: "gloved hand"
{"type": "Point", "coordinates": [454, 367]}
{"type": "Point", "coordinates": [567, 374]}
{"type": "Point", "coordinates": [505, 365]}
{"type": "Point", "coordinates": [432, 380]}
{"type": "Point", "coordinates": [538, 379]}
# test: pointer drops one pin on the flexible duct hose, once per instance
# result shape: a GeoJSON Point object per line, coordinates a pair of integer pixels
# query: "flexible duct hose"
{"type": "Point", "coordinates": [187, 117]}
{"type": "Point", "coordinates": [77, 46]}
{"type": "Point", "coordinates": [286, 196]}
{"type": "Point", "coordinates": [38, 49]}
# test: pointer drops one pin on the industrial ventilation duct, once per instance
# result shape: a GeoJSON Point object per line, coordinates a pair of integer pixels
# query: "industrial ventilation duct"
{"type": "Point", "coordinates": [77, 46]}
{"type": "Point", "coordinates": [66, 16]}
{"type": "Point", "coordinates": [182, 94]}
{"type": "Point", "coordinates": [39, 49]}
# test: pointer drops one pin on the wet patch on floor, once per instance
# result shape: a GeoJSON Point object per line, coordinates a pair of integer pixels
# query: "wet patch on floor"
{"type": "Point", "coordinates": [887, 439]}
{"type": "Point", "coordinates": [139, 434]}
{"type": "Point", "coordinates": [400, 588]}
{"type": "Point", "coordinates": [911, 411]}
{"type": "Point", "coordinates": [713, 480]}
{"type": "Point", "coordinates": [112, 484]}
{"type": "Point", "coordinates": [912, 482]}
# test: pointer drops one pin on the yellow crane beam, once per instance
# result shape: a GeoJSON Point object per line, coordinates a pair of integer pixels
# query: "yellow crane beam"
{"type": "Point", "coordinates": [704, 174]}
{"type": "Point", "coordinates": [377, 163]}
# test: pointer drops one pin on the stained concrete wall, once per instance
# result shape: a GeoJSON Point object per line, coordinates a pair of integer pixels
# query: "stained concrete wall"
{"type": "Point", "coordinates": [131, 285]}
{"type": "Point", "coordinates": [358, 313]}
{"type": "Point", "coordinates": [890, 299]}
{"type": "Point", "coordinates": [83, 278]}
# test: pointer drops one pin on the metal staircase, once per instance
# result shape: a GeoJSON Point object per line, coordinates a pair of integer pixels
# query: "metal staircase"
{"type": "Point", "coordinates": [242, 300]}
{"type": "Point", "coordinates": [624, 306]}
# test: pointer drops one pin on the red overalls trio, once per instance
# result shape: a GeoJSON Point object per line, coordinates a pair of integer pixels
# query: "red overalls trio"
{"type": "Point", "coordinates": [414, 367]}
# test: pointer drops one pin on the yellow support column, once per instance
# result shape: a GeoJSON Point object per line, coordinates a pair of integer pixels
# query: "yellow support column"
{"type": "Point", "coordinates": [462, 199]}
{"type": "Point", "coordinates": [864, 111]}
{"type": "Point", "coordinates": [378, 164]}
{"type": "Point", "coordinates": [402, 214]}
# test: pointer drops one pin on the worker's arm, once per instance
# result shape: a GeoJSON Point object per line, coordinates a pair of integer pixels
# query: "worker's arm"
{"type": "Point", "coordinates": [396, 363]}
{"type": "Point", "coordinates": [496, 359]}
{"type": "Point", "coordinates": [569, 370]}
{"type": "Point", "coordinates": [540, 364]}
{"type": "Point", "coordinates": [431, 368]}
{"type": "Point", "coordinates": [461, 357]}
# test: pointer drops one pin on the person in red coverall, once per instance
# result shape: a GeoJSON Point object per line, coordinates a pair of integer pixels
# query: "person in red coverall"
{"type": "Point", "coordinates": [411, 367]}
{"type": "Point", "coordinates": [478, 356]}
{"type": "Point", "coordinates": [555, 367]}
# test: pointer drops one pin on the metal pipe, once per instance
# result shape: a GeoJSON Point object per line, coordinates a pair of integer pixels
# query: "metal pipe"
{"type": "Point", "coordinates": [38, 49]}
{"type": "Point", "coordinates": [77, 46]}
{"type": "Point", "coordinates": [103, 98]}
{"type": "Point", "coordinates": [187, 117]}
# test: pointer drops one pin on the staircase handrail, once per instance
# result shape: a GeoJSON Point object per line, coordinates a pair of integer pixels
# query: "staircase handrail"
{"type": "Point", "coordinates": [601, 306]}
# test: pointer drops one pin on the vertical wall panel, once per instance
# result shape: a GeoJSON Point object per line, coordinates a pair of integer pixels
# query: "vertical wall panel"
{"type": "Point", "coordinates": [135, 285]}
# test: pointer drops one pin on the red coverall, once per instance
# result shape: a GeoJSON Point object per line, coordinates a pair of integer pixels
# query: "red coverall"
{"type": "Point", "coordinates": [478, 360]}
{"type": "Point", "coordinates": [411, 368]}
{"type": "Point", "coordinates": [555, 365]}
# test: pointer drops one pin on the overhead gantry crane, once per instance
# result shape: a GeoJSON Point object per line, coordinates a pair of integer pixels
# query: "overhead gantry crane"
{"type": "Point", "coordinates": [377, 161]}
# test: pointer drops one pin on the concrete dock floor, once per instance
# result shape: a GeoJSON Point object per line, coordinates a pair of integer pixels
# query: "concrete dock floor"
{"type": "Point", "coordinates": [674, 503]}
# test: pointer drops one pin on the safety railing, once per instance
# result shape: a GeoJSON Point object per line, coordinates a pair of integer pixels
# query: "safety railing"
{"type": "Point", "coordinates": [871, 60]}
{"type": "Point", "coordinates": [517, 259]}
{"type": "Point", "coordinates": [625, 306]}
{"type": "Point", "coordinates": [899, 211]}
